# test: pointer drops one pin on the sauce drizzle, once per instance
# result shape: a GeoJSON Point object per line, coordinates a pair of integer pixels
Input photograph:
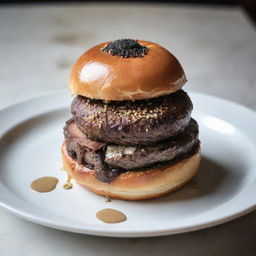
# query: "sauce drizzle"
{"type": "Point", "coordinates": [68, 184]}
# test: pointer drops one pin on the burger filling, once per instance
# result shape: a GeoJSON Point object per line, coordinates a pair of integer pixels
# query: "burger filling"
{"type": "Point", "coordinates": [173, 134]}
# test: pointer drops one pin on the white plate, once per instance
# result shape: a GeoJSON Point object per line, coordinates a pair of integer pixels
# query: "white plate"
{"type": "Point", "coordinates": [31, 136]}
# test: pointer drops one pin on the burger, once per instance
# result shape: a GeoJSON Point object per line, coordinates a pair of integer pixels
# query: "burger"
{"type": "Point", "coordinates": [131, 135]}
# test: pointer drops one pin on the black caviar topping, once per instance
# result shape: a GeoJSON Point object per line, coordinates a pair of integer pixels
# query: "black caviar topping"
{"type": "Point", "coordinates": [127, 48]}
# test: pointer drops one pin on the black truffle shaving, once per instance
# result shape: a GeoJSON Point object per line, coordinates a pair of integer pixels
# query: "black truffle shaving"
{"type": "Point", "coordinates": [126, 48]}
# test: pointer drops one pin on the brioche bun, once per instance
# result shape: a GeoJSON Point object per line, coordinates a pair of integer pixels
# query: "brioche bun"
{"type": "Point", "coordinates": [100, 75]}
{"type": "Point", "coordinates": [138, 185]}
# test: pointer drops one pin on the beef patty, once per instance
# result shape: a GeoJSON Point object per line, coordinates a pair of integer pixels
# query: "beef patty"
{"type": "Point", "coordinates": [109, 160]}
{"type": "Point", "coordinates": [138, 122]}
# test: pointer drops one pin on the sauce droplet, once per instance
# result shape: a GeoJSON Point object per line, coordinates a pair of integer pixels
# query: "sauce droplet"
{"type": "Point", "coordinates": [68, 184]}
{"type": "Point", "coordinates": [44, 184]}
{"type": "Point", "coordinates": [108, 199]}
{"type": "Point", "coordinates": [109, 215]}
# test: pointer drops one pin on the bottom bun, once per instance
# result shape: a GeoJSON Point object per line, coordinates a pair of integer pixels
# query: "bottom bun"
{"type": "Point", "coordinates": [135, 185]}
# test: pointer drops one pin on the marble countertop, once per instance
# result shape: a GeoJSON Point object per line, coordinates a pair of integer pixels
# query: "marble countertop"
{"type": "Point", "coordinates": [38, 45]}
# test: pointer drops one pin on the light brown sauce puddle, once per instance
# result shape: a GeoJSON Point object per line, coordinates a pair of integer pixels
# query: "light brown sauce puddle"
{"type": "Point", "coordinates": [109, 215]}
{"type": "Point", "coordinates": [44, 184]}
{"type": "Point", "coordinates": [68, 184]}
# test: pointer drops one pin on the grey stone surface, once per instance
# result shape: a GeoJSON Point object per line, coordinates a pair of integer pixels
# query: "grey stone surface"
{"type": "Point", "coordinates": [38, 45]}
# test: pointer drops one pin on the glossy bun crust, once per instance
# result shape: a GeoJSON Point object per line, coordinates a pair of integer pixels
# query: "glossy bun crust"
{"type": "Point", "coordinates": [100, 75]}
{"type": "Point", "coordinates": [137, 185]}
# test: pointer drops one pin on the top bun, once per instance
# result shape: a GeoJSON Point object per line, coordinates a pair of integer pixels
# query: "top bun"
{"type": "Point", "coordinates": [126, 70]}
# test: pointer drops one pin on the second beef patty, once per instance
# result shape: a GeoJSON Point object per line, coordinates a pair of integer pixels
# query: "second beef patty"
{"type": "Point", "coordinates": [96, 154]}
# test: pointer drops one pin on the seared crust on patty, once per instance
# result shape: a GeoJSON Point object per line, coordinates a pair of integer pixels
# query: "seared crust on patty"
{"type": "Point", "coordinates": [138, 122]}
